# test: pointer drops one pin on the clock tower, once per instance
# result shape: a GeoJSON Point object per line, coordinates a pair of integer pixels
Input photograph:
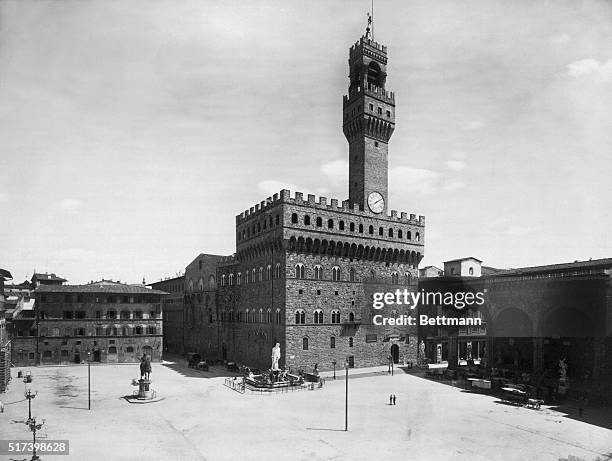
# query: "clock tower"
{"type": "Point", "coordinates": [369, 121]}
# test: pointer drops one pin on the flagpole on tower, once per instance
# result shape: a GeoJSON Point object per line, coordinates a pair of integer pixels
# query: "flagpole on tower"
{"type": "Point", "coordinates": [372, 19]}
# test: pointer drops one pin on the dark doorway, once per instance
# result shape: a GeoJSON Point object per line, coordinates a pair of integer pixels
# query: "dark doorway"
{"type": "Point", "coordinates": [351, 361]}
{"type": "Point", "coordinates": [97, 356]}
{"type": "Point", "coordinates": [77, 357]}
{"type": "Point", "coordinates": [395, 353]}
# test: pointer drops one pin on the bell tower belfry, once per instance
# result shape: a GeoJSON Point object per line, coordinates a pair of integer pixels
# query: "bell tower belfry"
{"type": "Point", "coordinates": [369, 121]}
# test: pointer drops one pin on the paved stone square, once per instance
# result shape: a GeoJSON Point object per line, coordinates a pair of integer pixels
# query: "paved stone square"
{"type": "Point", "coordinates": [201, 419]}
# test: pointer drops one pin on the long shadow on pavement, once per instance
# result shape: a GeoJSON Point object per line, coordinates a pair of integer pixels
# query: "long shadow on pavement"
{"type": "Point", "coordinates": [596, 415]}
{"type": "Point", "coordinates": [322, 429]}
{"type": "Point", "coordinates": [214, 371]}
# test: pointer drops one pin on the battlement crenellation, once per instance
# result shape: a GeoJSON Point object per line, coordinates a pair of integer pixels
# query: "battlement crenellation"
{"type": "Point", "coordinates": [323, 203]}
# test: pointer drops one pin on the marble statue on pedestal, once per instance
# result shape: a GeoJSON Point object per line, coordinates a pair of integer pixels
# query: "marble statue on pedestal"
{"type": "Point", "coordinates": [276, 354]}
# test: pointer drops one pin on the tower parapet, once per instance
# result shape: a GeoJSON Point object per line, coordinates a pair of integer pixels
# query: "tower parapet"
{"type": "Point", "coordinates": [323, 203]}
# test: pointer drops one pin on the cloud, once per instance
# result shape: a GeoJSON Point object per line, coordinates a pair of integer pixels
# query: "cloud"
{"type": "Point", "coordinates": [74, 254]}
{"type": "Point", "coordinates": [4, 197]}
{"type": "Point", "coordinates": [408, 180]}
{"type": "Point", "coordinates": [455, 164]}
{"type": "Point", "coordinates": [520, 231]}
{"type": "Point", "coordinates": [473, 125]}
{"type": "Point", "coordinates": [69, 205]}
{"type": "Point", "coordinates": [560, 39]}
{"type": "Point", "coordinates": [454, 185]}
{"type": "Point", "coordinates": [584, 67]}
{"type": "Point", "coordinates": [336, 171]}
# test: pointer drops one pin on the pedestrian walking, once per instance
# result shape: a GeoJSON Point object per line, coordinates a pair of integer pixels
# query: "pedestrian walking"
{"type": "Point", "coordinates": [393, 399]}
{"type": "Point", "coordinates": [390, 399]}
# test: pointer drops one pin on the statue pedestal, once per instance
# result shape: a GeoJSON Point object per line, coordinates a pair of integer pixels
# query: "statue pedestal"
{"type": "Point", "coordinates": [144, 389]}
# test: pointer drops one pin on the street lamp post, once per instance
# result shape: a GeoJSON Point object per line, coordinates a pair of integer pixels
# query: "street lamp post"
{"type": "Point", "coordinates": [346, 367]}
{"type": "Point", "coordinates": [334, 364]}
{"type": "Point", "coordinates": [28, 394]}
{"type": "Point", "coordinates": [34, 427]}
{"type": "Point", "coordinates": [89, 380]}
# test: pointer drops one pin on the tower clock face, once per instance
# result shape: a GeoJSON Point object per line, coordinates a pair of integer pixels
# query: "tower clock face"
{"type": "Point", "coordinates": [376, 202]}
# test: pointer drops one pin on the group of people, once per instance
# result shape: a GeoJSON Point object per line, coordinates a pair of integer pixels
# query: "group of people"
{"type": "Point", "coordinates": [392, 399]}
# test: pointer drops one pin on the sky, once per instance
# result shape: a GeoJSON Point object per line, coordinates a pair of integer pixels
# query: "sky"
{"type": "Point", "coordinates": [132, 133]}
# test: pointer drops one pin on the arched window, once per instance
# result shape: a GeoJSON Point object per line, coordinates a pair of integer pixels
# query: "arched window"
{"type": "Point", "coordinates": [394, 278]}
{"type": "Point", "coordinates": [294, 218]}
{"type": "Point", "coordinates": [471, 271]}
{"type": "Point", "coordinates": [408, 235]}
{"type": "Point", "coordinates": [330, 223]}
{"type": "Point", "coordinates": [306, 220]}
{"type": "Point", "coordinates": [111, 314]}
{"type": "Point", "coordinates": [319, 222]}
{"type": "Point", "coordinates": [268, 272]}
{"type": "Point", "coordinates": [299, 271]}
{"type": "Point", "coordinates": [375, 75]}
{"type": "Point", "coordinates": [390, 232]}
{"type": "Point", "coordinates": [269, 316]}
{"type": "Point", "coordinates": [304, 344]}
{"type": "Point", "coordinates": [258, 227]}
{"type": "Point", "coordinates": [277, 220]}
{"type": "Point", "coordinates": [261, 315]}
{"type": "Point", "coordinates": [223, 280]}
{"type": "Point", "coordinates": [341, 225]}
{"type": "Point", "coordinates": [352, 275]}
{"type": "Point", "coordinates": [277, 272]}
{"type": "Point", "coordinates": [253, 275]}
{"type": "Point", "coordinates": [300, 316]}
{"type": "Point", "coordinates": [335, 273]}
{"type": "Point", "coordinates": [318, 271]}
{"type": "Point", "coordinates": [371, 230]}
{"type": "Point", "coordinates": [332, 342]}
{"type": "Point", "coordinates": [417, 237]}
{"type": "Point", "coordinates": [361, 228]}
{"type": "Point", "coordinates": [407, 278]}
{"type": "Point", "coordinates": [231, 279]}
{"type": "Point", "coordinates": [335, 316]}
{"type": "Point", "coordinates": [399, 234]}
{"type": "Point", "coordinates": [260, 274]}
{"type": "Point", "coordinates": [351, 342]}
{"type": "Point", "coordinates": [278, 316]}
{"type": "Point", "coordinates": [381, 231]}
{"type": "Point", "coordinates": [239, 278]}
{"type": "Point", "coordinates": [246, 316]}
{"type": "Point", "coordinates": [352, 227]}
{"type": "Point", "coordinates": [318, 316]}
{"type": "Point", "coordinates": [351, 317]}
{"type": "Point", "coordinates": [211, 282]}
{"type": "Point", "coordinates": [248, 276]}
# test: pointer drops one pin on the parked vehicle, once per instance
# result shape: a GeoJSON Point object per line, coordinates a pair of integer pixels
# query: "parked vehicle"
{"type": "Point", "coordinates": [193, 359]}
